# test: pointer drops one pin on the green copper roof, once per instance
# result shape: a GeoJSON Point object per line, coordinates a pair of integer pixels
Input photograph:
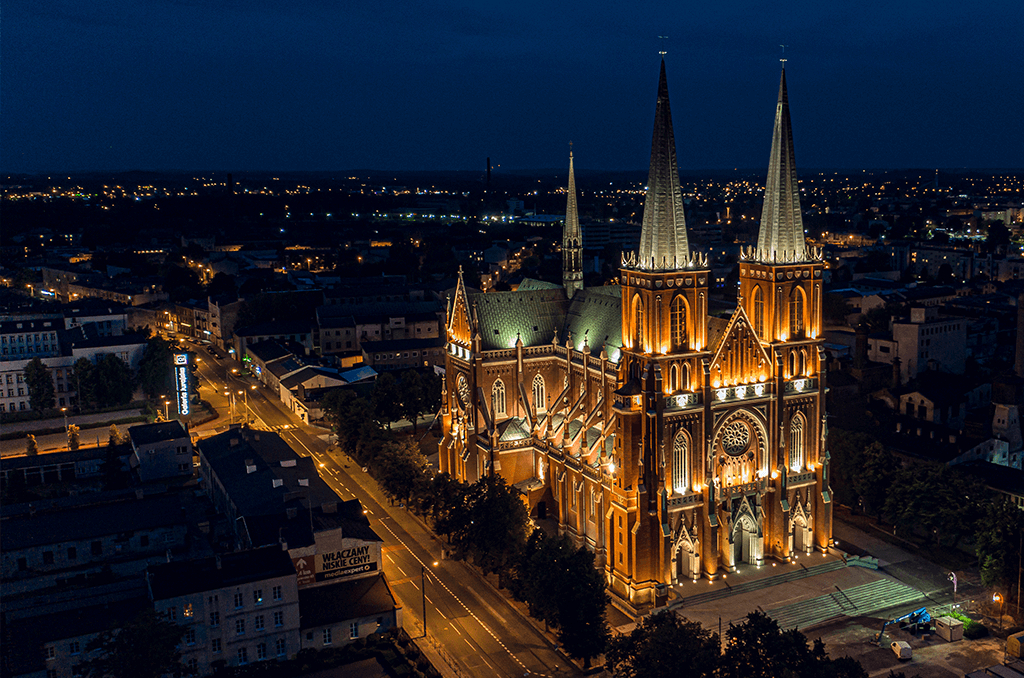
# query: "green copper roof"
{"type": "Point", "coordinates": [595, 315]}
{"type": "Point", "coordinates": [534, 315]}
{"type": "Point", "coordinates": [530, 284]}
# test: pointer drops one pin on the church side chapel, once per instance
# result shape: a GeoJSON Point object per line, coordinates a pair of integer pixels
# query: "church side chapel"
{"type": "Point", "coordinates": [675, 445]}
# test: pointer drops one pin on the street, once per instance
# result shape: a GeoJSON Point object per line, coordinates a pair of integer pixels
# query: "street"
{"type": "Point", "coordinates": [470, 621]}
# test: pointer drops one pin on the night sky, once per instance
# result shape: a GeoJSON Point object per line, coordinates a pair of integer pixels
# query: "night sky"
{"type": "Point", "coordinates": [315, 85]}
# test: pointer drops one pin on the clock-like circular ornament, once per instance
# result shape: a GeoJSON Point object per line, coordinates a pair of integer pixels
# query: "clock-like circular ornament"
{"type": "Point", "coordinates": [463, 388]}
{"type": "Point", "coordinates": [735, 437]}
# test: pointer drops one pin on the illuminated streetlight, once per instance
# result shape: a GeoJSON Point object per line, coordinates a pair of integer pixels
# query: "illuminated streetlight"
{"type": "Point", "coordinates": [166, 403]}
{"type": "Point", "coordinates": [423, 591]}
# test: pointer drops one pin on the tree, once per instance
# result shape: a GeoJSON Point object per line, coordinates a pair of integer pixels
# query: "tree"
{"type": "Point", "coordinates": [73, 442]}
{"type": "Point", "coordinates": [40, 386]}
{"type": "Point", "coordinates": [31, 446]}
{"type": "Point", "coordinates": [412, 404]}
{"type": "Point", "coordinates": [450, 505]}
{"type": "Point", "coordinates": [114, 380]}
{"type": "Point", "coordinates": [498, 524]}
{"type": "Point", "coordinates": [222, 283]}
{"type": "Point", "coordinates": [997, 544]}
{"type": "Point", "coordinates": [582, 601]}
{"type": "Point", "coordinates": [145, 647]}
{"type": "Point", "coordinates": [386, 400]}
{"type": "Point", "coordinates": [156, 371]}
{"type": "Point", "coordinates": [83, 376]}
{"type": "Point", "coordinates": [116, 437]}
{"type": "Point", "coordinates": [660, 645]}
{"type": "Point", "coordinates": [758, 648]}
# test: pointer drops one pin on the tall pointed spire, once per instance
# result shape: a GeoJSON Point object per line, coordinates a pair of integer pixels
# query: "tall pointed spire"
{"type": "Point", "coordinates": [572, 241]}
{"type": "Point", "coordinates": [663, 241]}
{"type": "Point", "coordinates": [781, 238]}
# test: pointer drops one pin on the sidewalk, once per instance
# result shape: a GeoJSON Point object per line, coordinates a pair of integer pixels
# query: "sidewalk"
{"type": "Point", "coordinates": [81, 420]}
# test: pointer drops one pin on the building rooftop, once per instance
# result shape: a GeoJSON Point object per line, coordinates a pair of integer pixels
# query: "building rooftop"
{"type": "Point", "coordinates": [363, 597]}
{"type": "Point", "coordinates": [88, 522]}
{"type": "Point", "coordinates": [148, 434]}
{"type": "Point", "coordinates": [170, 580]}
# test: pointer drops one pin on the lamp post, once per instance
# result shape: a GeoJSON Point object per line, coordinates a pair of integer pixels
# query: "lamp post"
{"type": "Point", "coordinates": [996, 598]}
{"type": "Point", "coordinates": [166, 403]}
{"type": "Point", "coordinates": [423, 592]}
{"type": "Point", "coordinates": [64, 411]}
{"type": "Point", "coordinates": [231, 401]}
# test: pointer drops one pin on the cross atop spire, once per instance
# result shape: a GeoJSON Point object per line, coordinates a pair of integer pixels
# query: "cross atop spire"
{"type": "Point", "coordinates": [663, 241]}
{"type": "Point", "coordinates": [781, 238]}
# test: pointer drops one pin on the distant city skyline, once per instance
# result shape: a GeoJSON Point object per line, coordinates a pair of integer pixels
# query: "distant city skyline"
{"type": "Point", "coordinates": [249, 86]}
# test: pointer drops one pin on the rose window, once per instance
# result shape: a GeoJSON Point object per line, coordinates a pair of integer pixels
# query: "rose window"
{"type": "Point", "coordinates": [735, 437]}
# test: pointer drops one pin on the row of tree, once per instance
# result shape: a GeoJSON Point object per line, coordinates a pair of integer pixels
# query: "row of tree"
{"type": "Point", "coordinates": [666, 644]}
{"type": "Point", "coordinates": [930, 503]}
{"type": "Point", "coordinates": [107, 382]}
{"type": "Point", "coordinates": [486, 522]}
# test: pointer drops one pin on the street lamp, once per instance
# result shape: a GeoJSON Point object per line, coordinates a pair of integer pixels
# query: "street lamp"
{"type": "Point", "coordinates": [231, 400]}
{"type": "Point", "coordinates": [166, 403]}
{"type": "Point", "coordinates": [423, 591]}
{"type": "Point", "coordinates": [64, 411]}
{"type": "Point", "coordinates": [996, 598]}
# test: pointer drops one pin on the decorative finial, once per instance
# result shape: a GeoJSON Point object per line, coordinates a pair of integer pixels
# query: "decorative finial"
{"type": "Point", "coordinates": [570, 149]}
{"type": "Point", "coordinates": [783, 59]}
{"type": "Point", "coordinates": [663, 51]}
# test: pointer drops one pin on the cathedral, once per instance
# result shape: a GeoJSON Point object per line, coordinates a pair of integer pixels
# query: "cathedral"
{"type": "Point", "coordinates": [675, 445]}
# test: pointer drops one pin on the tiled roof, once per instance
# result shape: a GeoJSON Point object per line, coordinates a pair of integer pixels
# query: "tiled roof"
{"type": "Point", "coordinates": [532, 284]}
{"type": "Point", "coordinates": [595, 314]}
{"type": "Point", "coordinates": [533, 315]}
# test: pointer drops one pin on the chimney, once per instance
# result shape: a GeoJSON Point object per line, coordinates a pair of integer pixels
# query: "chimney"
{"type": "Point", "coordinates": [250, 466]}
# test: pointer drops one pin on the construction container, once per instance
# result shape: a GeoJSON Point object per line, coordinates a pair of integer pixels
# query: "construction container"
{"type": "Point", "coordinates": [1013, 644]}
{"type": "Point", "coordinates": [949, 628]}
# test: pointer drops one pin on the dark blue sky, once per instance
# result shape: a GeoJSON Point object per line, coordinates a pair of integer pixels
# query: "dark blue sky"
{"type": "Point", "coordinates": [316, 85]}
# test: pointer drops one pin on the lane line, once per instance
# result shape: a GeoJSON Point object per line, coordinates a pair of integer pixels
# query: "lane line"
{"type": "Point", "coordinates": [472, 614]}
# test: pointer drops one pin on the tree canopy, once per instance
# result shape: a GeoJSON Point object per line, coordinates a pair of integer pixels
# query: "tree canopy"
{"type": "Point", "coordinates": [145, 647]}
{"type": "Point", "coordinates": [40, 385]}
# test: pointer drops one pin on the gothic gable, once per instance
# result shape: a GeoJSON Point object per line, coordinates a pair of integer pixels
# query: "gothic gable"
{"type": "Point", "coordinates": [459, 326]}
{"type": "Point", "coordinates": [739, 356]}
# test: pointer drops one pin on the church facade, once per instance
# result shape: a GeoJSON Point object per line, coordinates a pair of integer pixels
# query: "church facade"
{"type": "Point", "coordinates": [675, 445]}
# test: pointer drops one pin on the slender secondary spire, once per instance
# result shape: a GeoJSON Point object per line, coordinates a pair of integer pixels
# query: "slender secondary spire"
{"type": "Point", "coordinates": [572, 241]}
{"type": "Point", "coordinates": [663, 242]}
{"type": "Point", "coordinates": [781, 238]}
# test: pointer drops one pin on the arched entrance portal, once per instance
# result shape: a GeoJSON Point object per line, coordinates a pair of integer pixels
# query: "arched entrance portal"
{"type": "Point", "coordinates": [744, 542]}
{"type": "Point", "coordinates": [687, 561]}
{"type": "Point", "coordinates": [802, 537]}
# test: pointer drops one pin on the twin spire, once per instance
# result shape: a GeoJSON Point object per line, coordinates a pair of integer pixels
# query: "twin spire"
{"type": "Point", "coordinates": [781, 238]}
{"type": "Point", "coordinates": [663, 241]}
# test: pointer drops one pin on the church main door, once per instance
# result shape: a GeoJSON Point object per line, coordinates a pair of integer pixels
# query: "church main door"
{"type": "Point", "coordinates": [744, 538]}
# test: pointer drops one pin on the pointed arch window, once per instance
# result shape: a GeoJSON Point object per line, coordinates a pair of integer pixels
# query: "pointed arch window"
{"type": "Point", "coordinates": [759, 312]}
{"type": "Point", "coordinates": [638, 324]}
{"type": "Point", "coordinates": [685, 383]}
{"type": "Point", "coordinates": [796, 314]}
{"type": "Point", "coordinates": [796, 443]}
{"type": "Point", "coordinates": [678, 318]}
{"type": "Point", "coordinates": [803, 363]}
{"type": "Point", "coordinates": [673, 379]}
{"type": "Point", "coordinates": [539, 394]}
{"type": "Point", "coordinates": [792, 364]}
{"type": "Point", "coordinates": [498, 398]}
{"type": "Point", "coordinates": [680, 463]}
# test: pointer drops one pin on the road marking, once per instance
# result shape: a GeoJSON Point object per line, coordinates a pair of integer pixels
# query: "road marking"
{"type": "Point", "coordinates": [472, 614]}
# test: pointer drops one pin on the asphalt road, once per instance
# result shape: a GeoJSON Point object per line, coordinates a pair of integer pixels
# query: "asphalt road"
{"type": "Point", "coordinates": [465, 616]}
